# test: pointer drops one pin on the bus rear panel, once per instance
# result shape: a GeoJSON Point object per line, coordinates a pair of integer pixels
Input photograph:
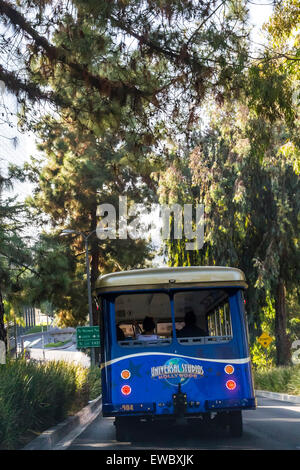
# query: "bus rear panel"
{"type": "Point", "coordinates": [177, 372]}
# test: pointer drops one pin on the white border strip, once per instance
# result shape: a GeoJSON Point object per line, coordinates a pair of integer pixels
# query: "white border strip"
{"type": "Point", "coordinates": [232, 361]}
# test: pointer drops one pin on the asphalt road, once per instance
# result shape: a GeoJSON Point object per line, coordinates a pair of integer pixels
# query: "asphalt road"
{"type": "Point", "coordinates": [274, 425]}
{"type": "Point", "coordinates": [36, 340]}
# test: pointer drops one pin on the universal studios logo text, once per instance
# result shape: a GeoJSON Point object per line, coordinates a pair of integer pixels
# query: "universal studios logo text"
{"type": "Point", "coordinates": [158, 222]}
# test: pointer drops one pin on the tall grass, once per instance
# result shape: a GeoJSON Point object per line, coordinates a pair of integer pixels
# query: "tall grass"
{"type": "Point", "coordinates": [94, 380]}
{"type": "Point", "coordinates": [279, 379]}
{"type": "Point", "coordinates": [34, 397]}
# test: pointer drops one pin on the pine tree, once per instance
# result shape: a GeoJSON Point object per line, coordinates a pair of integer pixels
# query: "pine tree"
{"type": "Point", "coordinates": [78, 173]}
{"type": "Point", "coordinates": [15, 255]}
{"type": "Point", "coordinates": [151, 56]}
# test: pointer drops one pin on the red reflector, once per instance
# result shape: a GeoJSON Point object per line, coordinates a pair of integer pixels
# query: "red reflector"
{"type": "Point", "coordinates": [126, 389]}
{"type": "Point", "coordinates": [230, 384]}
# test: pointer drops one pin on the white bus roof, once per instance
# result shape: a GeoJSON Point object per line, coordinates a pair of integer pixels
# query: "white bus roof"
{"type": "Point", "coordinates": [150, 278]}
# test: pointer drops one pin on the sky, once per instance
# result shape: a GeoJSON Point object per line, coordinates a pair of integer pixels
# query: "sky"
{"type": "Point", "coordinates": [259, 12]}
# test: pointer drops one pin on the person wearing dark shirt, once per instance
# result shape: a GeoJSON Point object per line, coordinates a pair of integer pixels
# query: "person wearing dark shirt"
{"type": "Point", "coordinates": [148, 332]}
{"type": "Point", "coordinates": [190, 329]}
{"type": "Point", "coordinates": [120, 334]}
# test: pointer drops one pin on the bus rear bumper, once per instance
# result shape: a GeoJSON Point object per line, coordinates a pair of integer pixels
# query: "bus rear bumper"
{"type": "Point", "coordinates": [198, 408]}
{"type": "Point", "coordinates": [231, 404]}
{"type": "Point", "coordinates": [109, 409]}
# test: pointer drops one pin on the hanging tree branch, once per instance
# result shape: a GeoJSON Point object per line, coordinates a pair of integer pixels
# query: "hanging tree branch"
{"type": "Point", "coordinates": [106, 87]}
{"type": "Point", "coordinates": [34, 93]}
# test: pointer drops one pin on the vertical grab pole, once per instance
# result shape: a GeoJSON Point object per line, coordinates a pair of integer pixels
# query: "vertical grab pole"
{"type": "Point", "coordinates": [171, 296]}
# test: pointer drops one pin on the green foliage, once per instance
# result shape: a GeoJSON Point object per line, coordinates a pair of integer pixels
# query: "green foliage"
{"type": "Point", "coordinates": [291, 153]}
{"type": "Point", "coordinates": [34, 397]}
{"type": "Point", "coordinates": [262, 358]}
{"type": "Point", "coordinates": [94, 380]}
{"type": "Point", "coordinates": [280, 380]}
{"type": "Point", "coordinates": [284, 22]}
{"type": "Point", "coordinates": [115, 54]}
{"type": "Point", "coordinates": [15, 257]}
{"type": "Point", "coordinates": [56, 345]}
{"type": "Point", "coordinates": [251, 199]}
{"type": "Point", "coordinates": [79, 172]}
{"type": "Point", "coordinates": [269, 92]}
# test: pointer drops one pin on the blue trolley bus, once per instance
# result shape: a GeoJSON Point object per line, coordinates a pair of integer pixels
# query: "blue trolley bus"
{"type": "Point", "coordinates": [174, 344]}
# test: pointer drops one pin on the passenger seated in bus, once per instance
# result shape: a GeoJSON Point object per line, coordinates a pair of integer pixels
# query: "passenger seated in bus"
{"type": "Point", "coordinates": [148, 330]}
{"type": "Point", "coordinates": [190, 329]}
{"type": "Point", "coordinates": [120, 334]}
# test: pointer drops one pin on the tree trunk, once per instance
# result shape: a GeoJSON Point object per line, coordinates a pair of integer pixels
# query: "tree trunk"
{"type": "Point", "coordinates": [95, 254]}
{"type": "Point", "coordinates": [3, 335]}
{"type": "Point", "coordinates": [283, 347]}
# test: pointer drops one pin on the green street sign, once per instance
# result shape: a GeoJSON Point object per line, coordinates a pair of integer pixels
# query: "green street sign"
{"type": "Point", "coordinates": [88, 337]}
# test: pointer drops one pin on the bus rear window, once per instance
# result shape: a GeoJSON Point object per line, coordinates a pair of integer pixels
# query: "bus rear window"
{"type": "Point", "coordinates": [143, 319]}
{"type": "Point", "coordinates": [202, 316]}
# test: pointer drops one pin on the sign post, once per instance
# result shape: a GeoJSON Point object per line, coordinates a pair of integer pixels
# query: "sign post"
{"type": "Point", "coordinates": [265, 341]}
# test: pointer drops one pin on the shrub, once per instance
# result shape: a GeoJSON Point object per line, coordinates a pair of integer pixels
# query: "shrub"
{"type": "Point", "coordinates": [294, 385]}
{"type": "Point", "coordinates": [279, 379]}
{"type": "Point", "coordinates": [94, 380]}
{"type": "Point", "coordinates": [34, 397]}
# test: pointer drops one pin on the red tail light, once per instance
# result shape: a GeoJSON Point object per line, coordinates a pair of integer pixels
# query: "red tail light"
{"type": "Point", "coordinates": [126, 389]}
{"type": "Point", "coordinates": [231, 384]}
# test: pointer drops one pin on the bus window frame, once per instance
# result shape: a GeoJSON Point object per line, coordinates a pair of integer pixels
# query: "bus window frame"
{"type": "Point", "coordinates": [231, 292]}
{"type": "Point", "coordinates": [205, 340]}
{"type": "Point", "coordinates": [132, 343]}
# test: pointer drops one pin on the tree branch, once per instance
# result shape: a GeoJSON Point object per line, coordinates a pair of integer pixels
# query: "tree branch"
{"type": "Point", "coordinates": [106, 87]}
{"type": "Point", "coordinates": [15, 85]}
{"type": "Point", "coordinates": [18, 263]}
